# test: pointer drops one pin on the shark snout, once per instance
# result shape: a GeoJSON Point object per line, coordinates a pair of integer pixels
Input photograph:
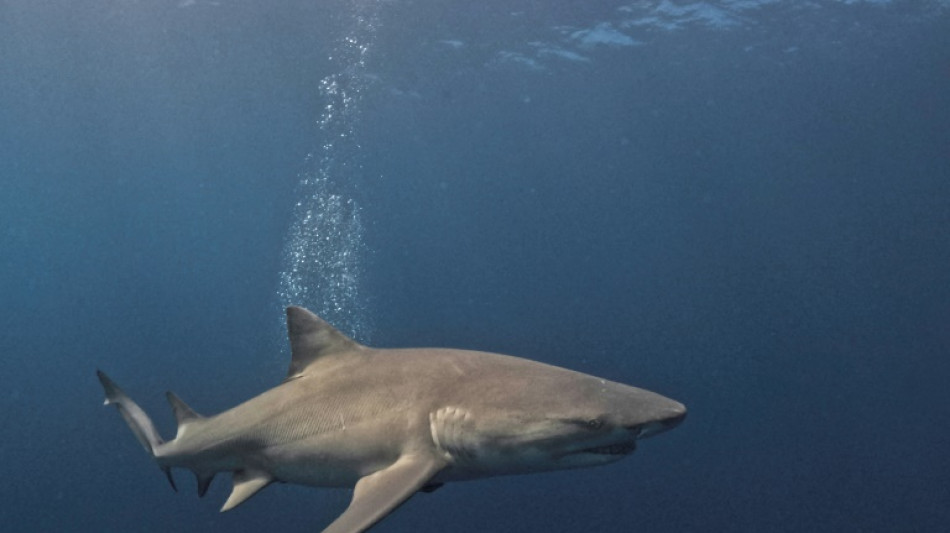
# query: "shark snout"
{"type": "Point", "coordinates": [671, 417]}
{"type": "Point", "coordinates": [676, 417]}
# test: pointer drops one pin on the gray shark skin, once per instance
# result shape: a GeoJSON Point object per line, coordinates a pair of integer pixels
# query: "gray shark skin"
{"type": "Point", "coordinates": [392, 422]}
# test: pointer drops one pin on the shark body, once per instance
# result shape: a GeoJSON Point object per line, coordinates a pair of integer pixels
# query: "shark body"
{"type": "Point", "coordinates": [392, 422]}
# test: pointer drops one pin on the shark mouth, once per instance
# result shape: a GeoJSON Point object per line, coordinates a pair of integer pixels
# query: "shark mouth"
{"type": "Point", "coordinates": [613, 449]}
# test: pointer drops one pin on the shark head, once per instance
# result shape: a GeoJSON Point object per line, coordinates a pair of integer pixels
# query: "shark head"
{"type": "Point", "coordinates": [557, 419]}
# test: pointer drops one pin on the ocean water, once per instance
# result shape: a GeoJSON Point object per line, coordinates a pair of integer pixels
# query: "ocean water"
{"type": "Point", "coordinates": [743, 205]}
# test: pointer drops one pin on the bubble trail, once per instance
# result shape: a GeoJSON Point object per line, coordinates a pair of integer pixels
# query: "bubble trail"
{"type": "Point", "coordinates": [324, 251]}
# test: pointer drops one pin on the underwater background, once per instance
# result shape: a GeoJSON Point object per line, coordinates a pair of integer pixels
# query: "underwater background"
{"type": "Point", "coordinates": [743, 205]}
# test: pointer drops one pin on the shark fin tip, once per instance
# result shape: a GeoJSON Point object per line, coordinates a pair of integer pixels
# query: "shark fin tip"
{"type": "Point", "coordinates": [203, 481]}
{"type": "Point", "coordinates": [171, 480]}
{"type": "Point", "coordinates": [246, 484]}
{"type": "Point", "coordinates": [183, 413]}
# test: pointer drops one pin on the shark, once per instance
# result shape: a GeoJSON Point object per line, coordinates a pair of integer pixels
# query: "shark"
{"type": "Point", "coordinates": [390, 423]}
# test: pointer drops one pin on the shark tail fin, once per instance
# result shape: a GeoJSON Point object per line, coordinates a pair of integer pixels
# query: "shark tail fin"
{"type": "Point", "coordinates": [139, 422]}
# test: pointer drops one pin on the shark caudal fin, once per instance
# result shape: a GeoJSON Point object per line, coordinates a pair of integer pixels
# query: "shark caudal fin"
{"type": "Point", "coordinates": [139, 422]}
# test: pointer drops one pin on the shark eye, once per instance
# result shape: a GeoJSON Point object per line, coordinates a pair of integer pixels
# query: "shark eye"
{"type": "Point", "coordinates": [594, 423]}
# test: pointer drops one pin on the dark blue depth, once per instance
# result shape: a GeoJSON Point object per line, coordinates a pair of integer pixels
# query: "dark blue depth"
{"type": "Point", "coordinates": [743, 208]}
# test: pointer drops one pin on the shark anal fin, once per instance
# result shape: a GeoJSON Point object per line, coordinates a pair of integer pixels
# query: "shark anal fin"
{"type": "Point", "coordinates": [204, 481]}
{"type": "Point", "coordinates": [380, 493]}
{"type": "Point", "coordinates": [246, 484]}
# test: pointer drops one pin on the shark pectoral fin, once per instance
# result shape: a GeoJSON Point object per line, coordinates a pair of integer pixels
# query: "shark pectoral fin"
{"type": "Point", "coordinates": [246, 484]}
{"type": "Point", "coordinates": [380, 493]}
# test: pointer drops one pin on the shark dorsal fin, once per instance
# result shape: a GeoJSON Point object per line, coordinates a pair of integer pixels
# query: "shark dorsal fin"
{"type": "Point", "coordinates": [311, 339]}
{"type": "Point", "coordinates": [184, 415]}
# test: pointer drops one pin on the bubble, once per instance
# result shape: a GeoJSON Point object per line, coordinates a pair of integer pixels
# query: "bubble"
{"type": "Point", "coordinates": [324, 251]}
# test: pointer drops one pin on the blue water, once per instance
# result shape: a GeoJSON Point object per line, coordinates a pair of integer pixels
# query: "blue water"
{"type": "Point", "coordinates": [744, 205]}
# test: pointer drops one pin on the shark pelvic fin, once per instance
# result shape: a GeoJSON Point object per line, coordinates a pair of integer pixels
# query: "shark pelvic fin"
{"type": "Point", "coordinates": [246, 484]}
{"type": "Point", "coordinates": [380, 493]}
{"type": "Point", "coordinates": [312, 339]}
{"type": "Point", "coordinates": [171, 479]}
